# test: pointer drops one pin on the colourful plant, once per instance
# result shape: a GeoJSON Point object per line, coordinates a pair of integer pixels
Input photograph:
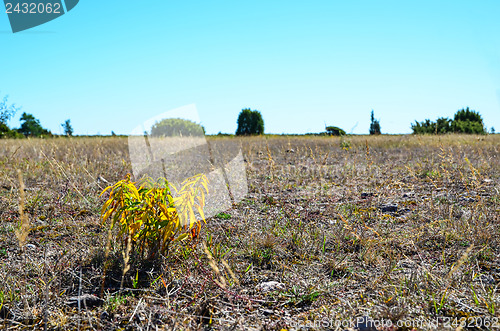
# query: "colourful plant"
{"type": "Point", "coordinates": [150, 216]}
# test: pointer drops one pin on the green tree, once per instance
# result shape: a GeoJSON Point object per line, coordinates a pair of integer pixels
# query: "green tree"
{"type": "Point", "coordinates": [443, 125]}
{"type": "Point", "coordinates": [31, 127]}
{"type": "Point", "coordinates": [468, 121]}
{"type": "Point", "coordinates": [250, 122]}
{"type": "Point", "coordinates": [374, 125]}
{"type": "Point", "coordinates": [6, 110]}
{"type": "Point", "coordinates": [68, 129]}
{"type": "Point", "coordinates": [464, 121]}
{"type": "Point", "coordinates": [176, 127]}
{"type": "Point", "coordinates": [334, 131]}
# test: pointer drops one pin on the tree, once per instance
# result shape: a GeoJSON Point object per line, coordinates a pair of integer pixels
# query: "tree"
{"type": "Point", "coordinates": [250, 122]}
{"type": "Point", "coordinates": [492, 130]}
{"type": "Point", "coordinates": [468, 121]}
{"type": "Point", "coordinates": [334, 131]}
{"type": "Point", "coordinates": [68, 129]}
{"type": "Point", "coordinates": [375, 125]}
{"type": "Point", "coordinates": [176, 127]}
{"type": "Point", "coordinates": [6, 110]}
{"type": "Point", "coordinates": [31, 126]}
{"type": "Point", "coordinates": [6, 113]}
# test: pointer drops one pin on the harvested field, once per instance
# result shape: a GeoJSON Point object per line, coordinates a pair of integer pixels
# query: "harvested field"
{"type": "Point", "coordinates": [397, 229]}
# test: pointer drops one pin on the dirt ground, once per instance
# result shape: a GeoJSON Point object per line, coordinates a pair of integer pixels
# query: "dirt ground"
{"type": "Point", "coordinates": [385, 232]}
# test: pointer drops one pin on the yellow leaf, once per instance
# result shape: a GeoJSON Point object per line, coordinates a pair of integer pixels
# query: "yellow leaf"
{"type": "Point", "coordinates": [104, 191]}
{"type": "Point", "coordinates": [106, 216]}
{"type": "Point", "coordinates": [205, 186]}
{"type": "Point", "coordinates": [202, 214]}
{"type": "Point", "coordinates": [181, 237]}
{"type": "Point", "coordinates": [164, 210]}
{"type": "Point", "coordinates": [133, 189]}
{"type": "Point", "coordinates": [135, 227]}
{"type": "Point", "coordinates": [106, 205]}
{"type": "Point", "coordinates": [192, 218]}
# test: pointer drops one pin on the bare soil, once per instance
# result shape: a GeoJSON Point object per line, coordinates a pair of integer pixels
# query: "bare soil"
{"type": "Point", "coordinates": [400, 230]}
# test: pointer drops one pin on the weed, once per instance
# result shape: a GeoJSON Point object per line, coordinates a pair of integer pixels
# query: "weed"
{"type": "Point", "coordinates": [24, 227]}
{"type": "Point", "coordinates": [151, 216]}
{"type": "Point", "coordinates": [223, 216]}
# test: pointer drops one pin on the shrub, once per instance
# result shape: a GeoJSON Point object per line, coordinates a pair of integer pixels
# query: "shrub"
{"type": "Point", "coordinates": [468, 121]}
{"type": "Point", "coordinates": [441, 126]}
{"type": "Point", "coordinates": [334, 131]}
{"type": "Point", "coordinates": [464, 121]}
{"type": "Point", "coordinates": [176, 127]}
{"type": "Point", "coordinates": [6, 132]}
{"type": "Point", "coordinates": [150, 216]}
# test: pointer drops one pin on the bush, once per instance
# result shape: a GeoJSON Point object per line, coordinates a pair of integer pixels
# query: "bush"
{"type": "Point", "coordinates": [176, 127]}
{"type": "Point", "coordinates": [250, 122]}
{"type": "Point", "coordinates": [468, 121]}
{"type": "Point", "coordinates": [6, 132]}
{"type": "Point", "coordinates": [441, 126]}
{"type": "Point", "coordinates": [464, 121]}
{"type": "Point", "coordinates": [334, 131]}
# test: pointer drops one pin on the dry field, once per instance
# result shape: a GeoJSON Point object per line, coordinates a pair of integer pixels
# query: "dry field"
{"type": "Point", "coordinates": [396, 229]}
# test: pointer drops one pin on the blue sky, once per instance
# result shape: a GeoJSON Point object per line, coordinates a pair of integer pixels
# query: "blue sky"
{"type": "Point", "coordinates": [110, 65]}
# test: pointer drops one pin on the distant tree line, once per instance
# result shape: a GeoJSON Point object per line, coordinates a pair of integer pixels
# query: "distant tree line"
{"type": "Point", "coordinates": [249, 122]}
{"type": "Point", "coordinates": [30, 126]}
{"type": "Point", "coordinates": [464, 121]}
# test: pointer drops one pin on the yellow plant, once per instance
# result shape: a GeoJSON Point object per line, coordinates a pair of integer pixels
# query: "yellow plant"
{"type": "Point", "coordinates": [153, 217]}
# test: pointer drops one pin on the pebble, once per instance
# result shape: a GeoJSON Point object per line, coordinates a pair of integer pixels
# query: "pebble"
{"type": "Point", "coordinates": [390, 208]}
{"type": "Point", "coordinates": [270, 286]}
{"type": "Point", "coordinates": [86, 300]}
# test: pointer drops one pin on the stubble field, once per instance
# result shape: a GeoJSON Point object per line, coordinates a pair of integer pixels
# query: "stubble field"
{"type": "Point", "coordinates": [400, 230]}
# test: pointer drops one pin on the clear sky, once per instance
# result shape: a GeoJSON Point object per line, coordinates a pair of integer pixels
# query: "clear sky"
{"type": "Point", "coordinates": [111, 65]}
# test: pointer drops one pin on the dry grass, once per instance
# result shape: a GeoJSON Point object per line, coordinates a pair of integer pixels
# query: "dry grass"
{"type": "Point", "coordinates": [399, 228]}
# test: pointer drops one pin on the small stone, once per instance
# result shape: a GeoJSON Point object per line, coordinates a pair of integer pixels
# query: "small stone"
{"type": "Point", "coordinates": [86, 300]}
{"type": "Point", "coordinates": [291, 150]}
{"type": "Point", "coordinates": [486, 279]}
{"type": "Point", "coordinates": [365, 195]}
{"type": "Point", "coordinates": [30, 246]}
{"type": "Point", "coordinates": [467, 199]}
{"type": "Point", "coordinates": [267, 312]}
{"type": "Point", "coordinates": [102, 179]}
{"type": "Point", "coordinates": [389, 208]}
{"type": "Point", "coordinates": [270, 286]}
{"type": "Point", "coordinates": [105, 316]}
